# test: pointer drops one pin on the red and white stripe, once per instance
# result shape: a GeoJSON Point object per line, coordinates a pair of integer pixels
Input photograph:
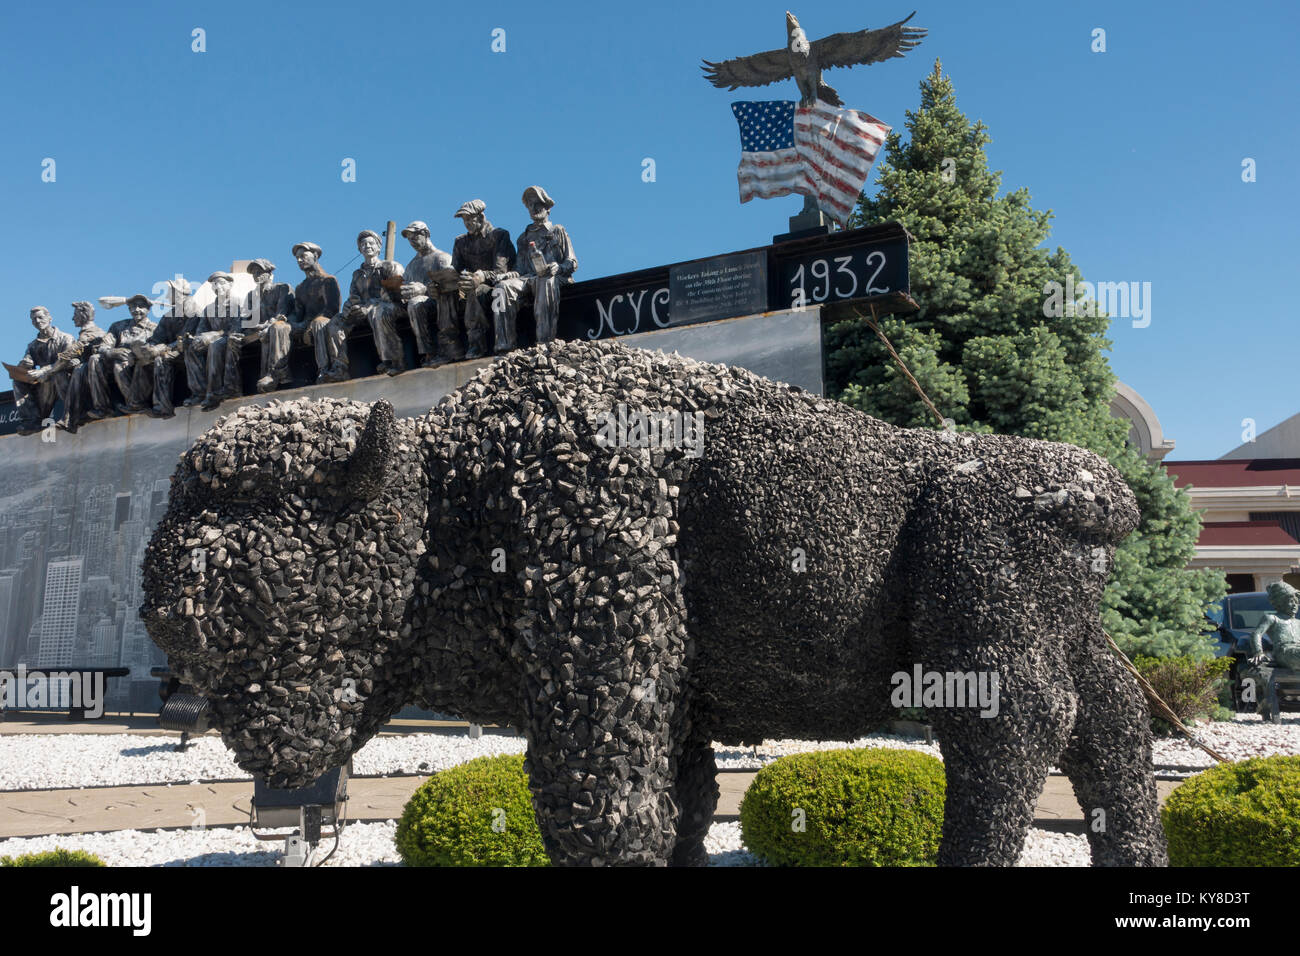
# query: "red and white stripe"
{"type": "Point", "coordinates": [838, 147]}
{"type": "Point", "coordinates": [779, 172]}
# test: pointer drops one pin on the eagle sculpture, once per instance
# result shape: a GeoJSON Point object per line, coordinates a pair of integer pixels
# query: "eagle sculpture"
{"type": "Point", "coordinates": [805, 61]}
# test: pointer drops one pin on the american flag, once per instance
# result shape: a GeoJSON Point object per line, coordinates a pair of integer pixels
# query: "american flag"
{"type": "Point", "coordinates": [820, 151]}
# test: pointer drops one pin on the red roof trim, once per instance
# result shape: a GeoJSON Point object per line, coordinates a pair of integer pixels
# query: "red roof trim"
{"type": "Point", "coordinates": [1235, 473]}
{"type": "Point", "coordinates": [1220, 534]}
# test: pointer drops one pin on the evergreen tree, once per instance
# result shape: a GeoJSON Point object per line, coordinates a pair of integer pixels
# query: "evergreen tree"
{"type": "Point", "coordinates": [991, 359]}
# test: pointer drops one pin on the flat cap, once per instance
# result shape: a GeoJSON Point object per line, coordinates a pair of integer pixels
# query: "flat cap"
{"type": "Point", "coordinates": [472, 208]}
{"type": "Point", "coordinates": [261, 265]}
{"type": "Point", "coordinates": [538, 193]}
{"type": "Point", "coordinates": [368, 232]}
{"type": "Point", "coordinates": [309, 246]}
{"type": "Point", "coordinates": [139, 299]}
{"type": "Point", "coordinates": [221, 275]}
{"type": "Point", "coordinates": [416, 226]}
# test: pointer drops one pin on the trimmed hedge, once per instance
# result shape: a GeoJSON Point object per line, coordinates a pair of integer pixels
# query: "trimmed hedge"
{"type": "Point", "coordinates": [55, 857]}
{"type": "Point", "coordinates": [1236, 814]}
{"type": "Point", "coordinates": [865, 807]}
{"type": "Point", "coordinates": [478, 813]}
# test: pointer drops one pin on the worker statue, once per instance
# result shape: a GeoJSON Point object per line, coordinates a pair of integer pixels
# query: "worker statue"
{"type": "Point", "coordinates": [375, 299]}
{"type": "Point", "coordinates": [87, 395]}
{"type": "Point", "coordinates": [41, 375]}
{"type": "Point", "coordinates": [544, 263]}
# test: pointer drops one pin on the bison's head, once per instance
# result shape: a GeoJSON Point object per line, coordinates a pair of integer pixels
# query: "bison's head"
{"type": "Point", "coordinates": [280, 581]}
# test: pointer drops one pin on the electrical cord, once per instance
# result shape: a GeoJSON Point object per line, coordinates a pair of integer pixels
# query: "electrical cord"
{"type": "Point", "coordinates": [338, 834]}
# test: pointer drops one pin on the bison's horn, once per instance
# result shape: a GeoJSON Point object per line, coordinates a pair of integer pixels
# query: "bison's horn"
{"type": "Point", "coordinates": [368, 466]}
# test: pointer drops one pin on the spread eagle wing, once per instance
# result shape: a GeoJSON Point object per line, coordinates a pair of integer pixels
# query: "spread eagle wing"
{"type": "Point", "coordinates": [867, 46]}
{"type": "Point", "coordinates": [759, 69]}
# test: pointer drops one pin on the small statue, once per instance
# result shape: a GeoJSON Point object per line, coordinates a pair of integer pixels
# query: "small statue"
{"type": "Point", "coordinates": [545, 262]}
{"type": "Point", "coordinates": [374, 297]}
{"type": "Point", "coordinates": [1282, 628]}
{"type": "Point", "coordinates": [40, 378]}
{"type": "Point", "coordinates": [129, 357]}
{"type": "Point", "coordinates": [271, 305]}
{"type": "Point", "coordinates": [429, 292]}
{"type": "Point", "coordinates": [315, 304]}
{"type": "Point", "coordinates": [482, 256]}
{"type": "Point", "coordinates": [87, 396]}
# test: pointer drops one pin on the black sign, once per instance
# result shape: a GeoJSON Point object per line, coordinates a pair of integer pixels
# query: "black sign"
{"type": "Point", "coordinates": [839, 275]}
{"type": "Point", "coordinates": [719, 288]}
{"type": "Point", "coordinates": [612, 311]}
{"type": "Point", "coordinates": [9, 414]}
{"type": "Point", "coordinates": [853, 265]}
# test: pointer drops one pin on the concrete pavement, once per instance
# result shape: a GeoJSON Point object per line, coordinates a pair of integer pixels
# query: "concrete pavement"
{"type": "Point", "coordinates": [39, 812]}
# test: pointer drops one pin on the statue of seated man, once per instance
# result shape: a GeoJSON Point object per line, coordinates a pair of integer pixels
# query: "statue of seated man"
{"type": "Point", "coordinates": [316, 302]}
{"type": "Point", "coordinates": [430, 296]}
{"type": "Point", "coordinates": [204, 344]}
{"type": "Point", "coordinates": [87, 396]}
{"type": "Point", "coordinates": [370, 300]}
{"type": "Point", "coordinates": [268, 323]}
{"type": "Point", "coordinates": [169, 347]}
{"type": "Point", "coordinates": [1282, 628]}
{"type": "Point", "coordinates": [545, 262]}
{"type": "Point", "coordinates": [483, 256]}
{"type": "Point", "coordinates": [47, 376]}
{"type": "Point", "coordinates": [128, 358]}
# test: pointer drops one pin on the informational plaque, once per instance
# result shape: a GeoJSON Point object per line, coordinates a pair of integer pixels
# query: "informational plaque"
{"type": "Point", "coordinates": [720, 288]}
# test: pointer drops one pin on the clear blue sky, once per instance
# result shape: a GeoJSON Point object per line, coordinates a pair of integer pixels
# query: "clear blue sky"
{"type": "Point", "coordinates": [174, 161]}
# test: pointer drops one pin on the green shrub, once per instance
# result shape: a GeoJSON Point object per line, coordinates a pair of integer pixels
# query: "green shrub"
{"type": "Point", "coordinates": [1189, 687]}
{"type": "Point", "coordinates": [55, 857]}
{"type": "Point", "coordinates": [478, 813]}
{"type": "Point", "coordinates": [1236, 814]}
{"type": "Point", "coordinates": [866, 807]}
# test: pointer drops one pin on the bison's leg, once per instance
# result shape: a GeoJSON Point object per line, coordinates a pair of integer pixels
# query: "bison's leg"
{"type": "Point", "coordinates": [996, 765]}
{"type": "Point", "coordinates": [1108, 761]}
{"type": "Point", "coordinates": [696, 795]}
{"type": "Point", "coordinates": [601, 761]}
{"type": "Point", "coordinates": [606, 721]}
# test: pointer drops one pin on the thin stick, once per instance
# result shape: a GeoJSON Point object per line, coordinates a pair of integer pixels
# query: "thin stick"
{"type": "Point", "coordinates": [902, 366]}
{"type": "Point", "coordinates": [1163, 710]}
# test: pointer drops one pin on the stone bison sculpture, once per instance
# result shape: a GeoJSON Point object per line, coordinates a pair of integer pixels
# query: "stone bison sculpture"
{"type": "Point", "coordinates": [628, 556]}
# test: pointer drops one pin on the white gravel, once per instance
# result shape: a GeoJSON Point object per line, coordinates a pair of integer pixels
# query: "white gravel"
{"type": "Point", "coordinates": [1049, 848]}
{"type": "Point", "coordinates": [752, 758]}
{"type": "Point", "coordinates": [363, 844]}
{"type": "Point", "coordinates": [51, 761]}
{"type": "Point", "coordinates": [1241, 738]}
{"type": "Point", "coordinates": [371, 844]}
